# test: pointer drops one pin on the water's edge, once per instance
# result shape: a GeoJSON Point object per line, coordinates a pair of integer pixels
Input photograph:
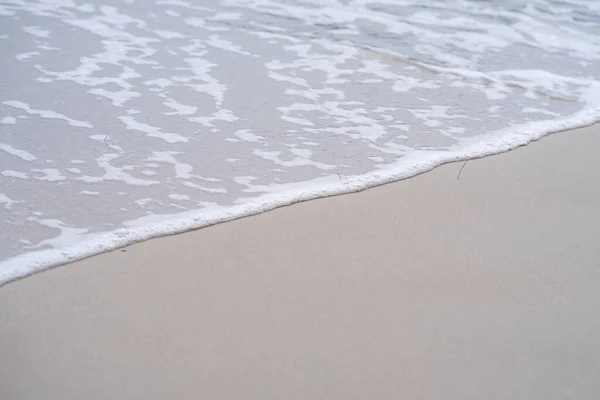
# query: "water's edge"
{"type": "Point", "coordinates": [30, 263]}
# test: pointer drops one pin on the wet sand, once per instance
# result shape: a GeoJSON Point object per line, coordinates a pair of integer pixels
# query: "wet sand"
{"type": "Point", "coordinates": [483, 287]}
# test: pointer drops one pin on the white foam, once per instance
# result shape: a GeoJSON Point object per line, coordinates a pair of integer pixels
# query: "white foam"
{"type": "Point", "coordinates": [180, 109]}
{"type": "Point", "coordinates": [114, 173]}
{"type": "Point", "coordinates": [217, 42]}
{"type": "Point", "coordinates": [8, 120]}
{"type": "Point", "coordinates": [180, 197]}
{"type": "Point", "coordinates": [169, 34]}
{"type": "Point", "coordinates": [27, 55]}
{"type": "Point", "coordinates": [210, 85]}
{"type": "Point", "coordinates": [413, 164]}
{"type": "Point", "coordinates": [143, 202]}
{"type": "Point", "coordinates": [7, 202]}
{"type": "Point", "coordinates": [226, 16]}
{"type": "Point", "coordinates": [14, 174]}
{"type": "Point", "coordinates": [36, 31]}
{"type": "Point", "coordinates": [49, 174]}
{"type": "Point", "coordinates": [172, 13]}
{"type": "Point", "coordinates": [182, 170]}
{"type": "Point", "coordinates": [248, 136]}
{"type": "Point", "coordinates": [118, 98]}
{"type": "Point", "coordinates": [22, 154]}
{"type": "Point", "coordinates": [298, 161]}
{"type": "Point", "coordinates": [46, 113]}
{"type": "Point", "coordinates": [68, 236]}
{"type": "Point", "coordinates": [152, 131]}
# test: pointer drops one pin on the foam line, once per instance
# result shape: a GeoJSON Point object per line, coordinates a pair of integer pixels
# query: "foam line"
{"type": "Point", "coordinates": [408, 166]}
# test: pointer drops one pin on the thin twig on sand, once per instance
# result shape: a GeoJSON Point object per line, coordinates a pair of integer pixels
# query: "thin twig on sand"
{"type": "Point", "coordinates": [461, 169]}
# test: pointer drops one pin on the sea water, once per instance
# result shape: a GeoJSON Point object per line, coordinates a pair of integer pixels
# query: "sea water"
{"type": "Point", "coordinates": [122, 120]}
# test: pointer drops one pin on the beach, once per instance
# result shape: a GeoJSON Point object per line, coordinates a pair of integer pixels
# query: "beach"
{"type": "Point", "coordinates": [168, 116]}
{"type": "Point", "coordinates": [483, 285]}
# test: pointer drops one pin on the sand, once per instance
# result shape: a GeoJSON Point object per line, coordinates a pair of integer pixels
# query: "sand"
{"type": "Point", "coordinates": [485, 287]}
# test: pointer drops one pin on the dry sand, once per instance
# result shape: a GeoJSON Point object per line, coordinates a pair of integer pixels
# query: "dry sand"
{"type": "Point", "coordinates": [487, 287]}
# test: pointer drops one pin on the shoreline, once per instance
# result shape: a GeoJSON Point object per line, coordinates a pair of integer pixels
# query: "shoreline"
{"type": "Point", "coordinates": [431, 287]}
{"type": "Point", "coordinates": [27, 264]}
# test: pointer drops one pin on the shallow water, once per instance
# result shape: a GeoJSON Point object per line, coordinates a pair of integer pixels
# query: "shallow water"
{"type": "Point", "coordinates": [136, 114]}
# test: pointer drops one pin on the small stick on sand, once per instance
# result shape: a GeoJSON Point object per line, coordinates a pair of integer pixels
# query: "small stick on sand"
{"type": "Point", "coordinates": [461, 168]}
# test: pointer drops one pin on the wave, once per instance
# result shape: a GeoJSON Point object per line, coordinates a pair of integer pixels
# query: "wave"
{"type": "Point", "coordinates": [169, 116]}
{"type": "Point", "coordinates": [288, 194]}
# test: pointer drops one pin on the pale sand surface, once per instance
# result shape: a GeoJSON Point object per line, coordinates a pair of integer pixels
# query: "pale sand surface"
{"type": "Point", "coordinates": [487, 287]}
